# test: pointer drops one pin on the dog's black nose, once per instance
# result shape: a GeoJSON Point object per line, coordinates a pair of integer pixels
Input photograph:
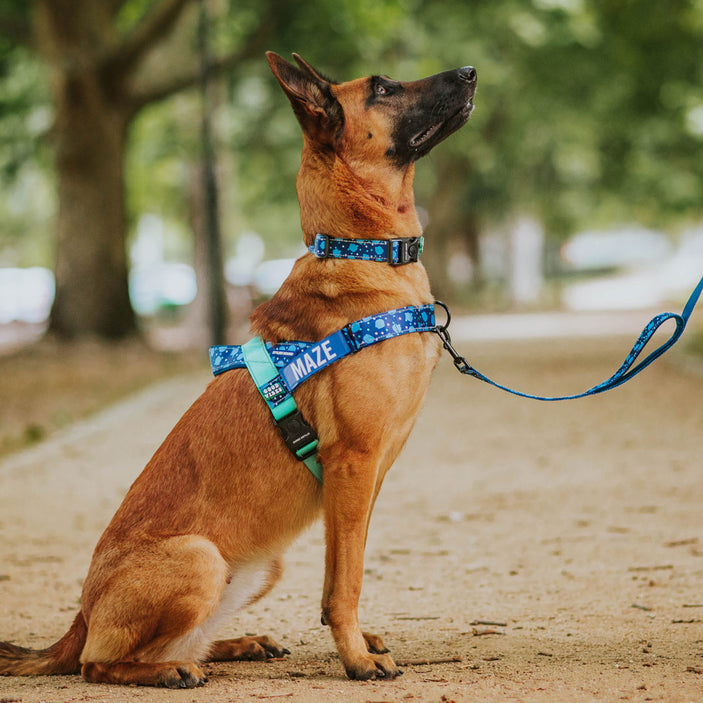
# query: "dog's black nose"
{"type": "Point", "coordinates": [468, 73]}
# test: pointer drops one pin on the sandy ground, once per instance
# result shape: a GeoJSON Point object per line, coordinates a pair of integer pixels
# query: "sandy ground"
{"type": "Point", "coordinates": [578, 527]}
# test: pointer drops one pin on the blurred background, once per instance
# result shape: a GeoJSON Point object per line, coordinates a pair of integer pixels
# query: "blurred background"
{"type": "Point", "coordinates": [148, 159]}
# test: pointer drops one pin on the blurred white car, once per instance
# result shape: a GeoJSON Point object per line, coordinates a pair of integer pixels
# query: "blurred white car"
{"type": "Point", "coordinates": [667, 278]}
{"type": "Point", "coordinates": [613, 249]}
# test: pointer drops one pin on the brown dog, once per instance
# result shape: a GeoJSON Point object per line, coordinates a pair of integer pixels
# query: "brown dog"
{"type": "Point", "coordinates": [201, 532]}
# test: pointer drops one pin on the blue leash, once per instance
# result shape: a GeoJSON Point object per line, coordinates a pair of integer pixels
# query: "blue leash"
{"type": "Point", "coordinates": [626, 371]}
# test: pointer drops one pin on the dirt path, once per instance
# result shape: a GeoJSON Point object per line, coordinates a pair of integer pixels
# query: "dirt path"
{"type": "Point", "coordinates": [579, 526]}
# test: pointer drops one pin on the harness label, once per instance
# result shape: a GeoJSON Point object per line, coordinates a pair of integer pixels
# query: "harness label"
{"type": "Point", "coordinates": [316, 357]}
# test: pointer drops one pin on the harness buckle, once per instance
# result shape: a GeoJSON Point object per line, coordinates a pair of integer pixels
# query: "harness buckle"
{"type": "Point", "coordinates": [297, 434]}
{"type": "Point", "coordinates": [350, 338]}
{"type": "Point", "coordinates": [409, 249]}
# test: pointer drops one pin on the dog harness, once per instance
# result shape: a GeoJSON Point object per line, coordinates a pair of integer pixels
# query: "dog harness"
{"type": "Point", "coordinates": [278, 369]}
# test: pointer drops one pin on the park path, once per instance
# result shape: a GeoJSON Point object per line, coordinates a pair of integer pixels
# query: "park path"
{"type": "Point", "coordinates": [576, 526]}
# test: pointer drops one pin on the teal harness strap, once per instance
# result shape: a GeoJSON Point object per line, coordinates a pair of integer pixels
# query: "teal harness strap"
{"type": "Point", "coordinates": [300, 438]}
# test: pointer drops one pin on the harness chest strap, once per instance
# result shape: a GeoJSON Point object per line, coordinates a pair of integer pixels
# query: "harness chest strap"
{"type": "Point", "coordinates": [299, 437]}
{"type": "Point", "coordinates": [278, 369]}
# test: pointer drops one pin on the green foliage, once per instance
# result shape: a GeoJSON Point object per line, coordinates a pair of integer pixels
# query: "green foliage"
{"type": "Point", "coordinates": [588, 112]}
{"type": "Point", "coordinates": [581, 110]}
{"type": "Point", "coordinates": [26, 197]}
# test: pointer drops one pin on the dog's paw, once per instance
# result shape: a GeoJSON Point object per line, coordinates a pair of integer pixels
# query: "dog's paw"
{"type": "Point", "coordinates": [374, 644]}
{"type": "Point", "coordinates": [181, 675]}
{"type": "Point", "coordinates": [372, 666]}
{"type": "Point", "coordinates": [272, 650]}
{"type": "Point", "coordinates": [247, 649]}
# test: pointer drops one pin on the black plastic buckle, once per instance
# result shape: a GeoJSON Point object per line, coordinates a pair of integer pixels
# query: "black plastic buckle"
{"type": "Point", "coordinates": [325, 239]}
{"type": "Point", "coordinates": [408, 250]}
{"type": "Point", "coordinates": [297, 433]}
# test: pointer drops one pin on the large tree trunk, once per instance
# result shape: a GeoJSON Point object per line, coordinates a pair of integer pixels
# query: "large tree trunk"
{"type": "Point", "coordinates": [89, 137]}
{"type": "Point", "coordinates": [91, 264]}
{"type": "Point", "coordinates": [101, 78]}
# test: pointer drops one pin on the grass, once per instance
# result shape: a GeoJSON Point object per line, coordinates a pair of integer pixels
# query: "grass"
{"type": "Point", "coordinates": [50, 385]}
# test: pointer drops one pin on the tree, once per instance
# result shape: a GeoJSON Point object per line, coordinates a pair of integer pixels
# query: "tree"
{"type": "Point", "coordinates": [102, 76]}
{"type": "Point", "coordinates": [587, 113]}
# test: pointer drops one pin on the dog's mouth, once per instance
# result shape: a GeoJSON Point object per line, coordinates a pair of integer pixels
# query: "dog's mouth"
{"type": "Point", "coordinates": [451, 124]}
{"type": "Point", "coordinates": [427, 134]}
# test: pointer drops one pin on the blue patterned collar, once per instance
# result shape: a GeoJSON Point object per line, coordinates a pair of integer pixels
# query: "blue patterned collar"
{"type": "Point", "coordinates": [396, 251]}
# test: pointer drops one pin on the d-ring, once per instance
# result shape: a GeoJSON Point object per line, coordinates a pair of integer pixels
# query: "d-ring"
{"type": "Point", "coordinates": [446, 310]}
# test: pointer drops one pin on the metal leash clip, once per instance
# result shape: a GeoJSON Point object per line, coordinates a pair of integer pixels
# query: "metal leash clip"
{"type": "Point", "coordinates": [442, 331]}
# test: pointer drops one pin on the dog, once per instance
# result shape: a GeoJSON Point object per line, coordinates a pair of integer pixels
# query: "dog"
{"type": "Point", "coordinates": [201, 532]}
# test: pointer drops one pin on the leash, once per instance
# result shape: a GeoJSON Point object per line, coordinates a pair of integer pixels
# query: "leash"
{"type": "Point", "coordinates": [627, 370]}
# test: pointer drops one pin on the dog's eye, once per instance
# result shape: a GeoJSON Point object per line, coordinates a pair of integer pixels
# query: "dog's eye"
{"type": "Point", "coordinates": [381, 90]}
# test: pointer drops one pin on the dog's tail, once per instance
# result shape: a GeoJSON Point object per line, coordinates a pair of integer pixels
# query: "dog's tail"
{"type": "Point", "coordinates": [63, 657]}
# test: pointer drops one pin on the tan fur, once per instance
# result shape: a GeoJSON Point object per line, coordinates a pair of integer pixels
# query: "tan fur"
{"type": "Point", "coordinates": [201, 531]}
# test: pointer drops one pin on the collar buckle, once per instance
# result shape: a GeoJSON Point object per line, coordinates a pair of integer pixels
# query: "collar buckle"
{"type": "Point", "coordinates": [408, 252]}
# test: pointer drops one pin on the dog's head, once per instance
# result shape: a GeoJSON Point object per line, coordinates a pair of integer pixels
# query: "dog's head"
{"type": "Point", "coordinates": [376, 119]}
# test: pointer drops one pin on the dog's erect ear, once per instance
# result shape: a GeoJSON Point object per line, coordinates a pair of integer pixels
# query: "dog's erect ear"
{"type": "Point", "coordinates": [310, 69]}
{"type": "Point", "coordinates": [318, 111]}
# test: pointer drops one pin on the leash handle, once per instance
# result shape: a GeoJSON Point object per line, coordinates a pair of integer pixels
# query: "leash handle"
{"type": "Point", "coordinates": [627, 369]}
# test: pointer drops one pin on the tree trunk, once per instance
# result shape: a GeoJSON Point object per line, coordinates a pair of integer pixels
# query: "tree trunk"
{"type": "Point", "coordinates": [91, 264]}
{"type": "Point", "coordinates": [101, 77]}
{"type": "Point", "coordinates": [453, 228]}
{"type": "Point", "coordinates": [92, 295]}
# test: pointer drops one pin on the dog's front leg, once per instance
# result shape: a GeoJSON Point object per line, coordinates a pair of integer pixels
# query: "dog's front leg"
{"type": "Point", "coordinates": [349, 490]}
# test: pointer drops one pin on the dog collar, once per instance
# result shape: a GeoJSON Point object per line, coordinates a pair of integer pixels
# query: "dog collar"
{"type": "Point", "coordinates": [396, 251]}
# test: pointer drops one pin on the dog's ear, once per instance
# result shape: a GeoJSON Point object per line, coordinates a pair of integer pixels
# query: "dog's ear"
{"type": "Point", "coordinates": [318, 111]}
{"type": "Point", "coordinates": [310, 69]}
